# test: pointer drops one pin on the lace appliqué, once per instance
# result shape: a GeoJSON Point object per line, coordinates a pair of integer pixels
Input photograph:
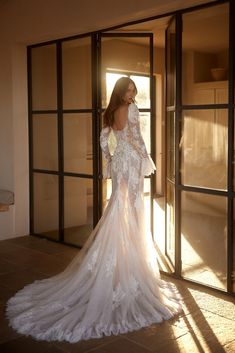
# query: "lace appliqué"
{"type": "Point", "coordinates": [109, 265]}
{"type": "Point", "coordinates": [118, 296]}
{"type": "Point", "coordinates": [91, 264]}
{"type": "Point", "coordinates": [135, 287]}
{"type": "Point", "coordinates": [104, 136]}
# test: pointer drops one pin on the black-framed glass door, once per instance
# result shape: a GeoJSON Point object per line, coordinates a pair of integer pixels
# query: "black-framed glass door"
{"type": "Point", "coordinates": [129, 54]}
{"type": "Point", "coordinates": [199, 144]}
{"type": "Point", "coordinates": [62, 130]}
{"type": "Point", "coordinates": [170, 144]}
{"type": "Point", "coordinates": [199, 147]}
{"type": "Point", "coordinates": [69, 83]}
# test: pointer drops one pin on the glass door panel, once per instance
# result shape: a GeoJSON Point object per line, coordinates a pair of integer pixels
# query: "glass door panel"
{"type": "Point", "coordinates": [46, 205]}
{"type": "Point", "coordinates": [126, 55]}
{"type": "Point", "coordinates": [204, 148]}
{"type": "Point", "coordinates": [76, 70]}
{"type": "Point", "coordinates": [62, 118]}
{"type": "Point", "coordinates": [170, 144]}
{"type": "Point", "coordinates": [78, 143]}
{"type": "Point", "coordinates": [78, 157]}
{"type": "Point", "coordinates": [170, 52]}
{"type": "Point", "coordinates": [204, 238]}
{"type": "Point", "coordinates": [78, 204]}
{"type": "Point", "coordinates": [145, 126]}
{"type": "Point", "coordinates": [45, 141]}
{"type": "Point", "coordinates": [44, 80]}
{"type": "Point", "coordinates": [170, 223]}
{"type": "Point", "coordinates": [205, 57]}
{"type": "Point", "coordinates": [170, 63]}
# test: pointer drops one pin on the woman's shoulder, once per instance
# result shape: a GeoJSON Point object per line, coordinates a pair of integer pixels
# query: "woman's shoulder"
{"type": "Point", "coordinates": [105, 130]}
{"type": "Point", "coordinates": [133, 106]}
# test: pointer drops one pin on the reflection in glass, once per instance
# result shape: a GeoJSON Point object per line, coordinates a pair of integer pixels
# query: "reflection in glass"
{"type": "Point", "coordinates": [170, 222]}
{"type": "Point", "coordinates": [205, 57]}
{"type": "Point", "coordinates": [44, 82]}
{"type": "Point", "coordinates": [76, 61]}
{"type": "Point", "coordinates": [78, 210]}
{"type": "Point", "coordinates": [170, 145]}
{"type": "Point", "coordinates": [204, 238]}
{"type": "Point", "coordinates": [78, 143]}
{"type": "Point", "coordinates": [45, 142]}
{"type": "Point", "coordinates": [204, 145]}
{"type": "Point", "coordinates": [46, 205]}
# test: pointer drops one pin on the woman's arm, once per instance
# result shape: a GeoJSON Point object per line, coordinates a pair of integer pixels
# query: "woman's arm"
{"type": "Point", "coordinates": [134, 134]}
{"type": "Point", "coordinates": [104, 135]}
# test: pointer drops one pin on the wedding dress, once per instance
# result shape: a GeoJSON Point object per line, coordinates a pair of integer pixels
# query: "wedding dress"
{"type": "Point", "coordinates": [113, 285]}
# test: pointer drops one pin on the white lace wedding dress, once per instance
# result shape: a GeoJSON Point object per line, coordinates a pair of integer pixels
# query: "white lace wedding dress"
{"type": "Point", "coordinates": [113, 285]}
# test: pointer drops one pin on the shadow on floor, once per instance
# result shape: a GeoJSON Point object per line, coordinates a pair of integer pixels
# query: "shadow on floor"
{"type": "Point", "coordinates": [206, 325]}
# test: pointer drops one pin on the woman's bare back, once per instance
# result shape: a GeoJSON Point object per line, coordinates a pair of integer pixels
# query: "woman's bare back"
{"type": "Point", "coordinates": [120, 117]}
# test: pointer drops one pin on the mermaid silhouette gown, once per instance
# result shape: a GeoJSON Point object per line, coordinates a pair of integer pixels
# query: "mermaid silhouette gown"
{"type": "Point", "coordinates": [113, 285]}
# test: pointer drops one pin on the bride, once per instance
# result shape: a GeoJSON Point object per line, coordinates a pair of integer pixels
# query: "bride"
{"type": "Point", "coordinates": [113, 285]}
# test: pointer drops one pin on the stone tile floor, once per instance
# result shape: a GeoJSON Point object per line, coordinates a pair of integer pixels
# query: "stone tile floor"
{"type": "Point", "coordinates": [206, 325]}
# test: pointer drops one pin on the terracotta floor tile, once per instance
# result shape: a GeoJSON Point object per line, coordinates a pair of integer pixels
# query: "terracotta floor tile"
{"type": "Point", "coordinates": [121, 345]}
{"type": "Point", "coordinates": [207, 324]}
{"type": "Point", "coordinates": [86, 346]}
{"type": "Point", "coordinates": [27, 345]}
{"type": "Point", "coordinates": [19, 279]}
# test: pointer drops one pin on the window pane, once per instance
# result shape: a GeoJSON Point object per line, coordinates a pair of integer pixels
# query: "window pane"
{"type": "Point", "coordinates": [44, 83]}
{"type": "Point", "coordinates": [171, 145]}
{"type": "Point", "coordinates": [145, 129]}
{"type": "Point", "coordinates": [204, 238]}
{"type": "Point", "coordinates": [143, 88]}
{"type": "Point", "coordinates": [76, 61]}
{"type": "Point", "coordinates": [170, 67]}
{"type": "Point", "coordinates": [78, 156]}
{"type": "Point", "coordinates": [45, 142]}
{"type": "Point", "coordinates": [111, 78]}
{"type": "Point", "coordinates": [78, 209]}
{"type": "Point", "coordinates": [121, 57]}
{"type": "Point", "coordinates": [170, 222]}
{"type": "Point", "coordinates": [205, 57]}
{"type": "Point", "coordinates": [203, 146]}
{"type": "Point", "coordinates": [46, 205]}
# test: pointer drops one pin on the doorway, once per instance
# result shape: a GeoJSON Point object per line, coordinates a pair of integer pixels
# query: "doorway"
{"type": "Point", "coordinates": [69, 86]}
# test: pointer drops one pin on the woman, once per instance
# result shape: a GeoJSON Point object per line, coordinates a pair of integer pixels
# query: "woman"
{"type": "Point", "coordinates": [113, 285]}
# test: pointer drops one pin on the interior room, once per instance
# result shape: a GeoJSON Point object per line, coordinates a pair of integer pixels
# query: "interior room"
{"type": "Point", "coordinates": [57, 78]}
{"type": "Point", "coordinates": [203, 143]}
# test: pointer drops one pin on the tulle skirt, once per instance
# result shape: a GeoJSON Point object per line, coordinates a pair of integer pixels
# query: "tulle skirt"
{"type": "Point", "coordinates": [112, 286]}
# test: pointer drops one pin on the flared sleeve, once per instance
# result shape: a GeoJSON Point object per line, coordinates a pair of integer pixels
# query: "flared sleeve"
{"type": "Point", "coordinates": [104, 136]}
{"type": "Point", "coordinates": [136, 140]}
